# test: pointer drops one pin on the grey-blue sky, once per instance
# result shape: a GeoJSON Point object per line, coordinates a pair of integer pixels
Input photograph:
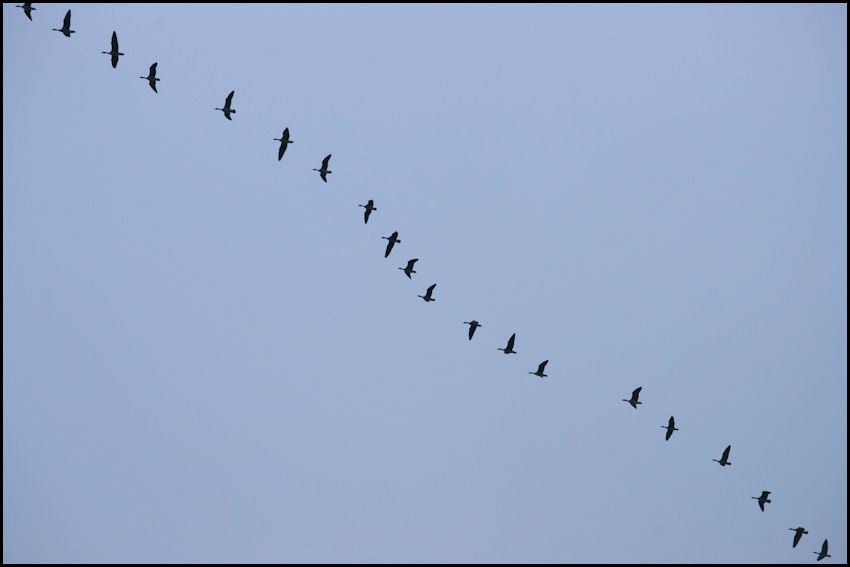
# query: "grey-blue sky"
{"type": "Point", "coordinates": [207, 357]}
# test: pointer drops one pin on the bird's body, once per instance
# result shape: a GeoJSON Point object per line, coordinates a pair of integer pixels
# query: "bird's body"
{"type": "Point", "coordinates": [540, 369]}
{"type": "Point", "coordinates": [634, 399]}
{"type": "Point", "coordinates": [284, 142]}
{"type": "Point", "coordinates": [369, 206]}
{"type": "Point", "coordinates": [27, 6]}
{"type": "Point", "coordinates": [763, 499]}
{"type": "Point", "coordinates": [427, 297]}
{"type": "Point", "coordinates": [671, 427]}
{"type": "Point", "coordinates": [151, 78]}
{"type": "Point", "coordinates": [66, 26]}
{"type": "Point", "coordinates": [823, 550]}
{"type": "Point", "coordinates": [509, 349]}
{"type": "Point", "coordinates": [227, 110]}
{"type": "Point", "coordinates": [114, 53]}
{"type": "Point", "coordinates": [798, 533]}
{"type": "Point", "coordinates": [324, 171]}
{"type": "Point", "coordinates": [472, 326]}
{"type": "Point", "coordinates": [724, 460]}
{"type": "Point", "coordinates": [393, 238]}
{"type": "Point", "coordinates": [409, 268]}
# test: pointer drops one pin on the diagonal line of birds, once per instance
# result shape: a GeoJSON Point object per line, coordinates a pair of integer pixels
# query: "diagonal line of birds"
{"type": "Point", "coordinates": [408, 270]}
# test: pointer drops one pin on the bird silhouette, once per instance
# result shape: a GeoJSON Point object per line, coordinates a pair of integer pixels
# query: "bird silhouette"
{"type": "Point", "coordinates": [66, 26]}
{"type": "Point", "coordinates": [634, 400]}
{"type": "Point", "coordinates": [671, 427]}
{"type": "Point", "coordinates": [472, 326]}
{"type": "Point", "coordinates": [762, 499]}
{"type": "Point", "coordinates": [427, 297]}
{"type": "Point", "coordinates": [409, 268]}
{"type": "Point", "coordinates": [393, 238]}
{"type": "Point", "coordinates": [114, 53]}
{"type": "Point", "coordinates": [823, 550]}
{"type": "Point", "coordinates": [509, 349]}
{"type": "Point", "coordinates": [27, 6]}
{"type": "Point", "coordinates": [369, 206]}
{"type": "Point", "coordinates": [324, 170]}
{"type": "Point", "coordinates": [151, 77]}
{"type": "Point", "coordinates": [798, 533]}
{"type": "Point", "coordinates": [284, 142]}
{"type": "Point", "coordinates": [724, 460]}
{"type": "Point", "coordinates": [227, 110]}
{"type": "Point", "coordinates": [540, 369]}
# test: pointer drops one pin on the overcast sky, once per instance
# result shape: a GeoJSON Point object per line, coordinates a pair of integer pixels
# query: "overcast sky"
{"type": "Point", "coordinates": [207, 357]}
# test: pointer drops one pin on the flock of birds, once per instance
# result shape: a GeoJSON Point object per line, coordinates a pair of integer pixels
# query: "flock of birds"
{"type": "Point", "coordinates": [408, 270]}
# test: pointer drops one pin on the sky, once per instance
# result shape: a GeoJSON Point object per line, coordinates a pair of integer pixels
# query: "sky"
{"type": "Point", "coordinates": [207, 357]}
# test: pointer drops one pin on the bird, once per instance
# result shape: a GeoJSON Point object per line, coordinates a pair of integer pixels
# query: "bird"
{"type": "Point", "coordinates": [798, 533]}
{"type": "Point", "coordinates": [66, 26]}
{"type": "Point", "coordinates": [409, 268]}
{"type": "Point", "coordinates": [369, 206]}
{"type": "Point", "coordinates": [724, 460]}
{"type": "Point", "coordinates": [27, 6]}
{"type": "Point", "coordinates": [427, 297]}
{"type": "Point", "coordinates": [509, 349]}
{"type": "Point", "coordinates": [284, 142]}
{"type": "Point", "coordinates": [227, 110]}
{"type": "Point", "coordinates": [762, 499]}
{"type": "Point", "coordinates": [823, 550]}
{"type": "Point", "coordinates": [324, 171]}
{"type": "Point", "coordinates": [114, 53]}
{"type": "Point", "coordinates": [151, 77]}
{"type": "Point", "coordinates": [634, 400]}
{"type": "Point", "coordinates": [540, 369]}
{"type": "Point", "coordinates": [393, 238]}
{"type": "Point", "coordinates": [671, 427]}
{"type": "Point", "coordinates": [472, 326]}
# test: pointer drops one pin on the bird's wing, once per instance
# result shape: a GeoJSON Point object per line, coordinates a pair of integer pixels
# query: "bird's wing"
{"type": "Point", "coordinates": [229, 98]}
{"type": "Point", "coordinates": [114, 41]}
{"type": "Point", "coordinates": [153, 70]}
{"type": "Point", "coordinates": [286, 133]}
{"type": "Point", "coordinates": [511, 341]}
{"type": "Point", "coordinates": [669, 434]}
{"type": "Point", "coordinates": [671, 423]}
{"type": "Point", "coordinates": [543, 365]}
{"type": "Point", "coordinates": [761, 505]}
{"type": "Point", "coordinates": [68, 19]}
{"type": "Point", "coordinates": [726, 452]}
{"type": "Point", "coordinates": [322, 175]}
{"type": "Point", "coordinates": [636, 392]}
{"type": "Point", "coordinates": [281, 150]}
{"type": "Point", "coordinates": [430, 289]}
{"type": "Point", "coordinates": [153, 86]}
{"type": "Point", "coordinates": [325, 162]}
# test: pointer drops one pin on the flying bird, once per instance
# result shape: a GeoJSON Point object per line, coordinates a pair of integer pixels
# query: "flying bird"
{"type": "Point", "coordinates": [284, 142]}
{"type": "Point", "coordinates": [509, 349]}
{"type": "Point", "coordinates": [427, 297]}
{"type": "Point", "coordinates": [472, 326]}
{"type": "Point", "coordinates": [634, 400]}
{"type": "Point", "coordinates": [66, 26]}
{"type": "Point", "coordinates": [27, 6]}
{"type": "Point", "coordinates": [409, 268]}
{"type": "Point", "coordinates": [762, 499]}
{"type": "Point", "coordinates": [151, 77]}
{"type": "Point", "coordinates": [227, 110]}
{"type": "Point", "coordinates": [369, 206]}
{"type": "Point", "coordinates": [540, 369]}
{"type": "Point", "coordinates": [114, 53]}
{"type": "Point", "coordinates": [798, 533]}
{"type": "Point", "coordinates": [393, 238]}
{"type": "Point", "coordinates": [324, 171]}
{"type": "Point", "coordinates": [823, 550]}
{"type": "Point", "coordinates": [671, 427]}
{"type": "Point", "coordinates": [724, 460]}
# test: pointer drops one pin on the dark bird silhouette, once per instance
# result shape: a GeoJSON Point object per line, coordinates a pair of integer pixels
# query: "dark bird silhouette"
{"type": "Point", "coordinates": [634, 400]}
{"type": "Point", "coordinates": [798, 533]}
{"type": "Point", "coordinates": [27, 6]}
{"type": "Point", "coordinates": [369, 206]}
{"type": "Point", "coordinates": [66, 26]}
{"type": "Point", "coordinates": [151, 77]}
{"type": "Point", "coordinates": [540, 370]}
{"type": "Point", "coordinates": [427, 297]}
{"type": "Point", "coordinates": [409, 268]}
{"type": "Point", "coordinates": [823, 550]}
{"type": "Point", "coordinates": [671, 427]}
{"type": "Point", "coordinates": [472, 326]}
{"type": "Point", "coordinates": [284, 142]}
{"type": "Point", "coordinates": [724, 460]}
{"type": "Point", "coordinates": [324, 171]}
{"type": "Point", "coordinates": [393, 238]}
{"type": "Point", "coordinates": [114, 53]}
{"type": "Point", "coordinates": [762, 499]}
{"type": "Point", "coordinates": [227, 110]}
{"type": "Point", "coordinates": [509, 349]}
